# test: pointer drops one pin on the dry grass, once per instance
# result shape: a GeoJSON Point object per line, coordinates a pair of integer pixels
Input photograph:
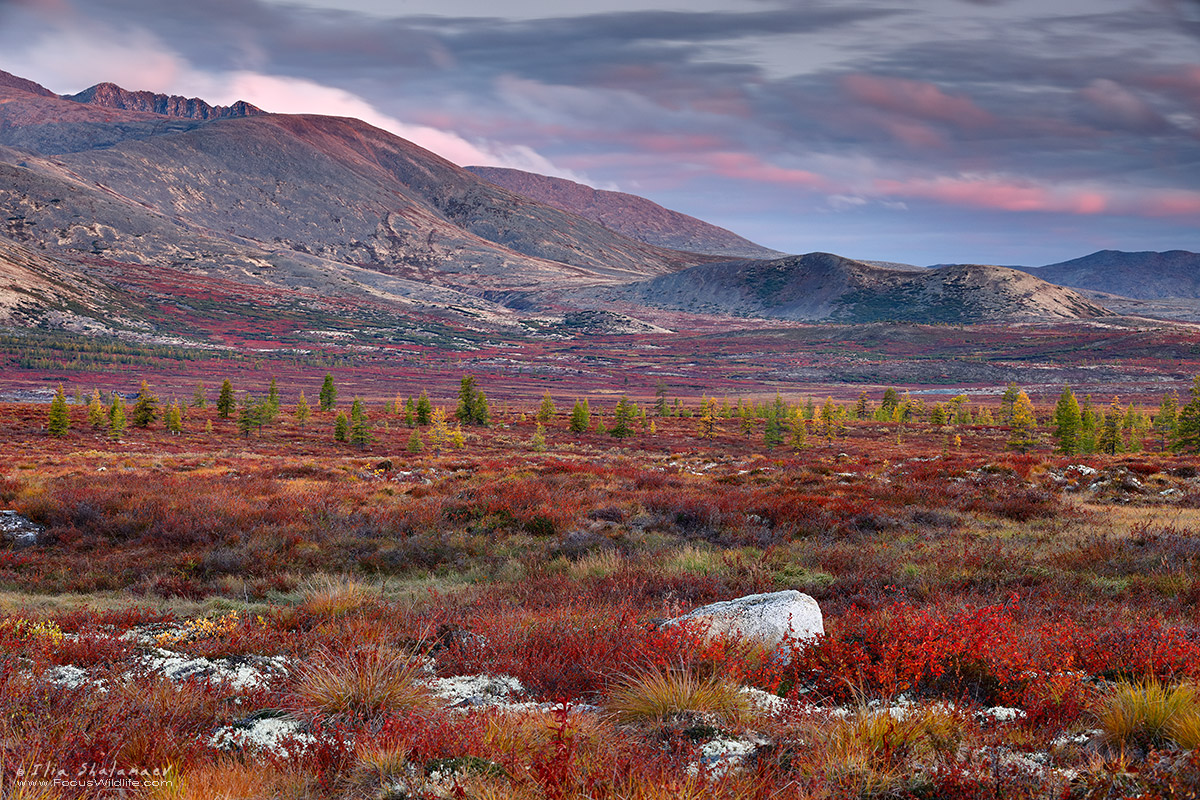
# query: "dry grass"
{"type": "Point", "coordinates": [658, 693]}
{"type": "Point", "coordinates": [1149, 713]}
{"type": "Point", "coordinates": [365, 683]}
{"type": "Point", "coordinates": [232, 780]}
{"type": "Point", "coordinates": [329, 596]}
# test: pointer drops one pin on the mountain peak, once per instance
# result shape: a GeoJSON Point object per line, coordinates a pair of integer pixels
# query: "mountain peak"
{"type": "Point", "coordinates": [109, 95]}
{"type": "Point", "coordinates": [13, 82]}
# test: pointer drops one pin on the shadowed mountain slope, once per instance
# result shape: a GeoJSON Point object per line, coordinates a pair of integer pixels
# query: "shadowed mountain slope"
{"type": "Point", "coordinates": [628, 214]}
{"type": "Point", "coordinates": [822, 286]}
{"type": "Point", "coordinates": [1141, 275]}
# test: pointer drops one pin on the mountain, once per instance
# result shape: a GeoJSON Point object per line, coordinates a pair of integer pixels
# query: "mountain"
{"type": "Point", "coordinates": [827, 287]}
{"type": "Point", "coordinates": [628, 214]}
{"type": "Point", "coordinates": [287, 201]}
{"type": "Point", "coordinates": [13, 82]}
{"type": "Point", "coordinates": [109, 95]}
{"type": "Point", "coordinates": [1141, 275]}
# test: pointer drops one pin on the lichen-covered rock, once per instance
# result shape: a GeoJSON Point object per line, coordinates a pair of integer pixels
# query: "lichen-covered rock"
{"type": "Point", "coordinates": [767, 619]}
{"type": "Point", "coordinates": [19, 530]}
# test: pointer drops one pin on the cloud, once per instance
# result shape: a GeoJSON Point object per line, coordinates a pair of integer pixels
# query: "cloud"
{"type": "Point", "coordinates": [918, 99]}
{"type": "Point", "coordinates": [137, 59]}
{"type": "Point", "coordinates": [1116, 106]}
{"type": "Point", "coordinates": [1016, 195]}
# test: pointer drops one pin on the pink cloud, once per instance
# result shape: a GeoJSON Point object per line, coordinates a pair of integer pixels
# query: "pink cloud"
{"type": "Point", "coordinates": [1011, 195]}
{"type": "Point", "coordinates": [916, 99]}
{"type": "Point", "coordinates": [1116, 104]}
{"type": "Point", "coordinates": [746, 167]}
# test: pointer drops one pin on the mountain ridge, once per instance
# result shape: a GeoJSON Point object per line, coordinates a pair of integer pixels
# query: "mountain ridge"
{"type": "Point", "coordinates": [110, 95]}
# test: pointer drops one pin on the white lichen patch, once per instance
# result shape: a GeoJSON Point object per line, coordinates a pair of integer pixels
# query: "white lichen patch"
{"type": "Point", "coordinates": [478, 690]}
{"type": "Point", "coordinates": [278, 736]}
{"type": "Point", "coordinates": [251, 674]}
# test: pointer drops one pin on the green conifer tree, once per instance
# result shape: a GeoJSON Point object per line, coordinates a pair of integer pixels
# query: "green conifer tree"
{"type": "Point", "coordinates": [546, 411]}
{"type": "Point", "coordinates": [225, 400]}
{"type": "Point", "coordinates": [327, 398]}
{"type": "Point", "coordinates": [145, 408]}
{"type": "Point", "coordinates": [173, 419]}
{"type": "Point", "coordinates": [424, 409]}
{"type": "Point", "coordinates": [1068, 422]}
{"type": "Point", "coordinates": [538, 442]}
{"type": "Point", "coordinates": [58, 419]}
{"type": "Point", "coordinates": [622, 419]}
{"type": "Point", "coordinates": [116, 417]}
{"type": "Point", "coordinates": [199, 397]}
{"type": "Point", "coordinates": [1109, 440]}
{"type": "Point", "coordinates": [1187, 427]}
{"type": "Point", "coordinates": [303, 412]}
{"type": "Point", "coordinates": [341, 428]}
{"type": "Point", "coordinates": [360, 432]}
{"type": "Point", "coordinates": [1165, 420]}
{"type": "Point", "coordinates": [415, 445]}
{"type": "Point", "coordinates": [579, 417]}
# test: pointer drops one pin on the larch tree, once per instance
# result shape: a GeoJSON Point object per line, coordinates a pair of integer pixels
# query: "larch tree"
{"type": "Point", "coordinates": [327, 398]}
{"type": "Point", "coordinates": [1109, 440]}
{"type": "Point", "coordinates": [424, 409]}
{"type": "Point", "coordinates": [546, 410]}
{"type": "Point", "coordinates": [97, 416]}
{"type": "Point", "coordinates": [58, 420]}
{"type": "Point", "coordinates": [116, 417]}
{"type": "Point", "coordinates": [1068, 421]}
{"type": "Point", "coordinates": [580, 417]}
{"type": "Point", "coordinates": [1187, 428]}
{"type": "Point", "coordinates": [360, 432]}
{"type": "Point", "coordinates": [1165, 420]}
{"type": "Point", "coordinates": [303, 412]}
{"type": "Point", "coordinates": [225, 400]}
{"type": "Point", "coordinates": [1022, 424]}
{"type": "Point", "coordinates": [145, 408]}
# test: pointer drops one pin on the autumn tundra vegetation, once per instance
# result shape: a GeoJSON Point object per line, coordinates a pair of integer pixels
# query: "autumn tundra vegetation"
{"type": "Point", "coordinates": [417, 595]}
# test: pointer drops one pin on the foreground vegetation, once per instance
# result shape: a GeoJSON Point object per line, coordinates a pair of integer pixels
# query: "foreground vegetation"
{"type": "Point", "coordinates": [999, 623]}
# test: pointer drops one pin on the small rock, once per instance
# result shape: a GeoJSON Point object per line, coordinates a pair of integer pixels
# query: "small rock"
{"type": "Point", "coordinates": [768, 619]}
{"type": "Point", "coordinates": [17, 529]}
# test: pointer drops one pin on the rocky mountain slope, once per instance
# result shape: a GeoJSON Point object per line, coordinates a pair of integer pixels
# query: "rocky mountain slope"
{"type": "Point", "coordinates": [1141, 275]}
{"type": "Point", "coordinates": [628, 214]}
{"type": "Point", "coordinates": [282, 190]}
{"type": "Point", "coordinates": [823, 286]}
{"type": "Point", "coordinates": [109, 95]}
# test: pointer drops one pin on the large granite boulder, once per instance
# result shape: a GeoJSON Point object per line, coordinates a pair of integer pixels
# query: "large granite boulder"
{"type": "Point", "coordinates": [767, 619]}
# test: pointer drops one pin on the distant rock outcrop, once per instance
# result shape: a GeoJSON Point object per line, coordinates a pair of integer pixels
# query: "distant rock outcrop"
{"type": "Point", "coordinates": [1143, 275]}
{"type": "Point", "coordinates": [627, 214]}
{"type": "Point", "coordinates": [823, 286]}
{"type": "Point", "coordinates": [110, 95]}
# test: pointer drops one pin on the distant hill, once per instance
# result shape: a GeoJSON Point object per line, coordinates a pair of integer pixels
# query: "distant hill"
{"type": "Point", "coordinates": [628, 214]}
{"type": "Point", "coordinates": [827, 287]}
{"type": "Point", "coordinates": [1141, 275]}
{"type": "Point", "coordinates": [110, 95]}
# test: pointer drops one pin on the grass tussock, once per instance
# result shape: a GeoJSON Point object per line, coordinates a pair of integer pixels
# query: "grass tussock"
{"type": "Point", "coordinates": [1149, 713]}
{"type": "Point", "coordinates": [329, 596]}
{"type": "Point", "coordinates": [657, 693]}
{"type": "Point", "coordinates": [362, 684]}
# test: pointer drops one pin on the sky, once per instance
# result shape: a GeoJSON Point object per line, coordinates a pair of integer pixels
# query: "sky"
{"type": "Point", "coordinates": [918, 131]}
